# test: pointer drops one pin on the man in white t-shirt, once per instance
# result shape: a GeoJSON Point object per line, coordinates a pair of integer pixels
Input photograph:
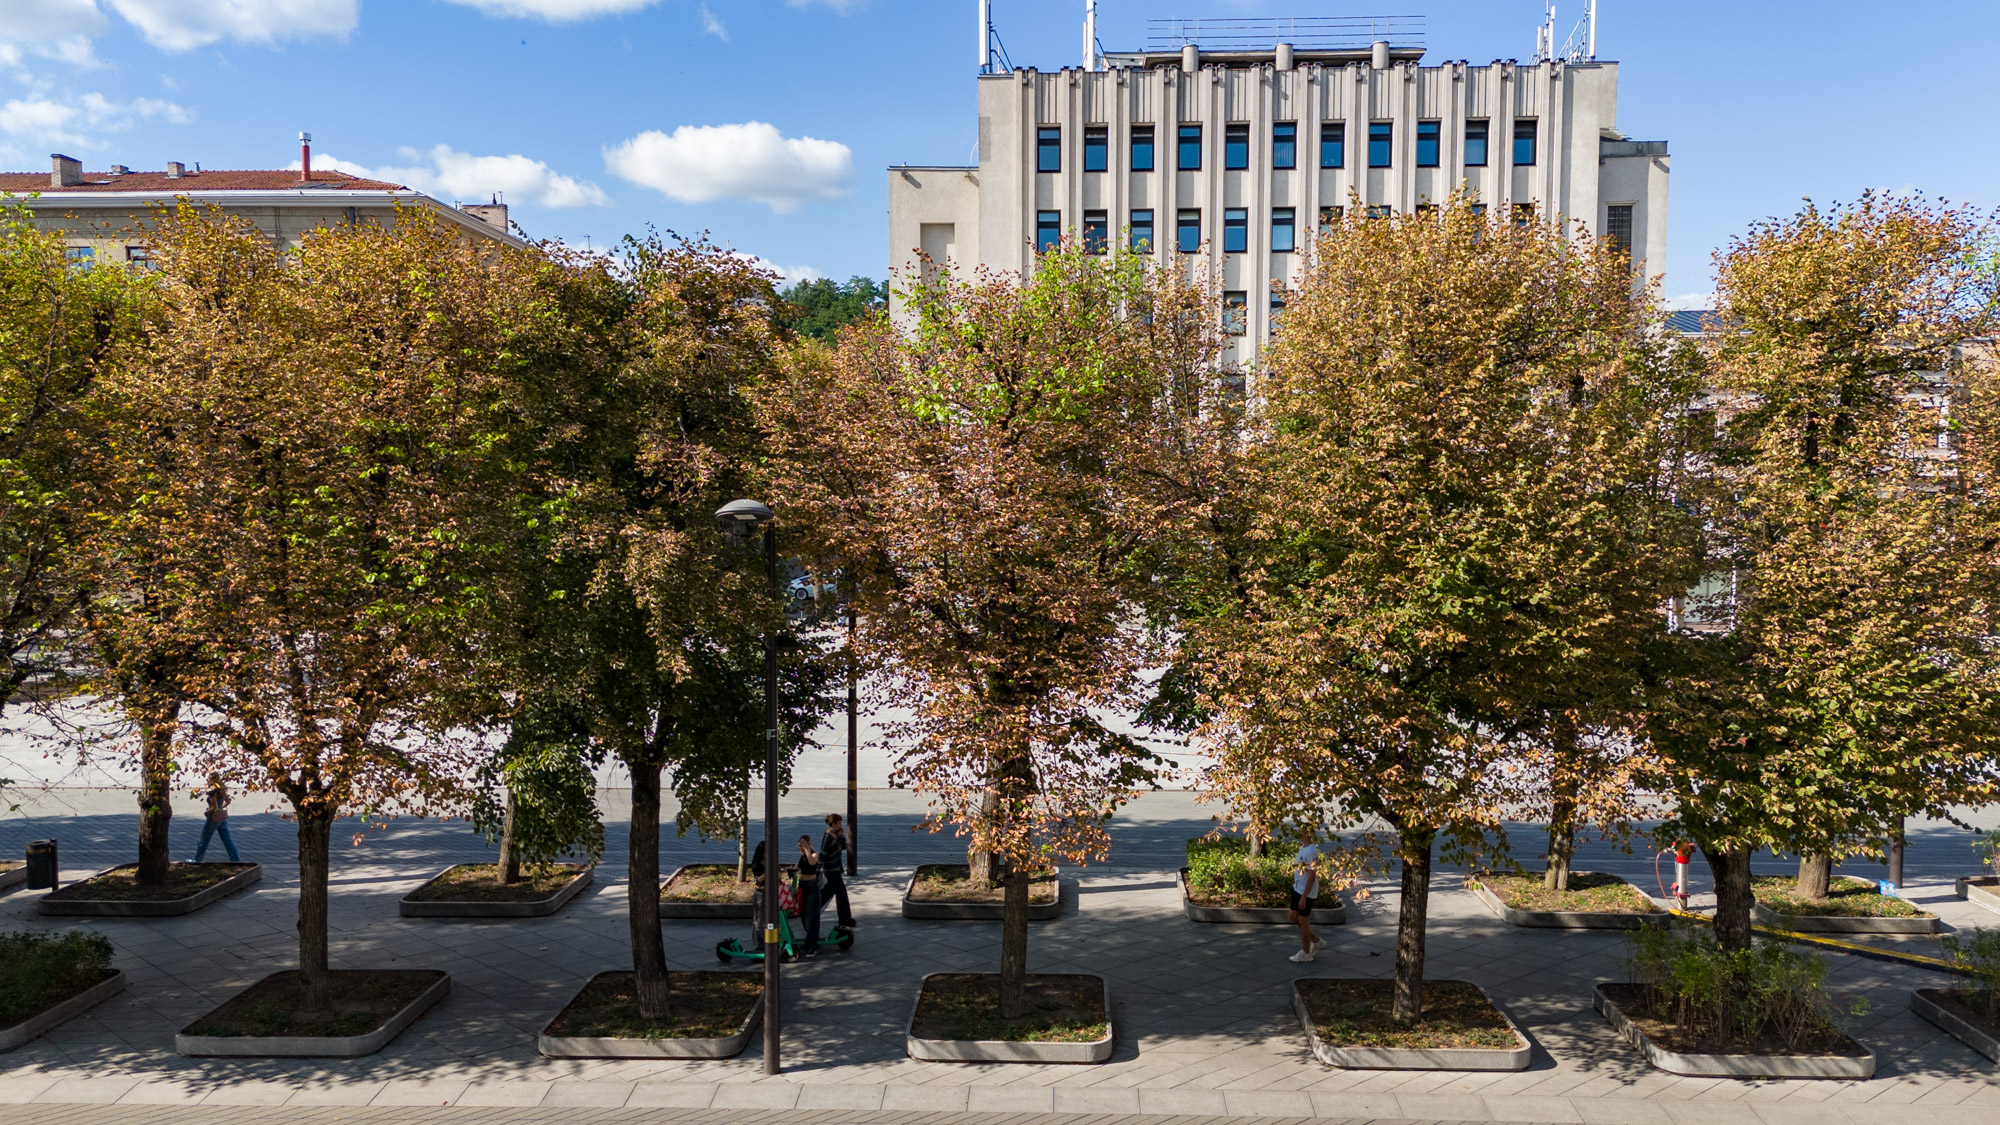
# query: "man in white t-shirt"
{"type": "Point", "coordinates": [1305, 881]}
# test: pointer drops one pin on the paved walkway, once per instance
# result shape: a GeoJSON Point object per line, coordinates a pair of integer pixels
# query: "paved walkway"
{"type": "Point", "coordinates": [1203, 1013]}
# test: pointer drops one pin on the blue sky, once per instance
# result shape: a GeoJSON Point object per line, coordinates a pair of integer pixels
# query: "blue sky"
{"type": "Point", "coordinates": [770, 122]}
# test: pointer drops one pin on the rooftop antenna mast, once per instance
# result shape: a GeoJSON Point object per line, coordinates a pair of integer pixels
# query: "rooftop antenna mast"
{"type": "Point", "coordinates": [1545, 35]}
{"type": "Point", "coordinates": [985, 36]}
{"type": "Point", "coordinates": [1092, 58]}
{"type": "Point", "coordinates": [1582, 44]}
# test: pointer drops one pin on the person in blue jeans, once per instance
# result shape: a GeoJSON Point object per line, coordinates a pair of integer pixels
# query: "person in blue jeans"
{"type": "Point", "coordinates": [216, 822]}
{"type": "Point", "coordinates": [809, 894]}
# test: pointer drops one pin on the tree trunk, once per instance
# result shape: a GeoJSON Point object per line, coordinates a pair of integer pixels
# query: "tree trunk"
{"type": "Point", "coordinates": [1733, 896]}
{"type": "Point", "coordinates": [1256, 840]}
{"type": "Point", "coordinates": [1815, 877]}
{"type": "Point", "coordinates": [1014, 945]}
{"type": "Point", "coordinates": [156, 807]}
{"type": "Point", "coordinates": [1562, 846]}
{"type": "Point", "coordinates": [1414, 849]}
{"type": "Point", "coordinates": [649, 952]}
{"type": "Point", "coordinates": [1562, 808]}
{"type": "Point", "coordinates": [983, 865]}
{"type": "Point", "coordinates": [314, 975]}
{"type": "Point", "coordinates": [510, 860]}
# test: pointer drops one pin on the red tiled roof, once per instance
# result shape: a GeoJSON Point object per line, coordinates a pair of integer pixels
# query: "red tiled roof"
{"type": "Point", "coordinates": [157, 183]}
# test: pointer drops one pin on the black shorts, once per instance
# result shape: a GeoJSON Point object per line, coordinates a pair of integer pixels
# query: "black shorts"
{"type": "Point", "coordinates": [1302, 905]}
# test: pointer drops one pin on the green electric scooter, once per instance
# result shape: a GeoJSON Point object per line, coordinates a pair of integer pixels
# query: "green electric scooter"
{"type": "Point", "coordinates": [789, 947]}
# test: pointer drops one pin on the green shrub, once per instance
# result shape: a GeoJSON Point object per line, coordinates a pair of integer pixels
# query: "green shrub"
{"type": "Point", "coordinates": [38, 969]}
{"type": "Point", "coordinates": [1978, 953]}
{"type": "Point", "coordinates": [1224, 868]}
{"type": "Point", "coordinates": [1739, 997]}
{"type": "Point", "coordinates": [1987, 844]}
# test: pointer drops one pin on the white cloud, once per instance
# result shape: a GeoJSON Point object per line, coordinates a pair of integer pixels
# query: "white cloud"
{"type": "Point", "coordinates": [446, 172]}
{"type": "Point", "coordinates": [712, 26]}
{"type": "Point", "coordinates": [840, 6]}
{"type": "Point", "coordinates": [35, 21]}
{"type": "Point", "coordinates": [705, 163]}
{"type": "Point", "coordinates": [59, 122]}
{"type": "Point", "coordinates": [183, 25]}
{"type": "Point", "coordinates": [1689, 302]}
{"type": "Point", "coordinates": [787, 275]}
{"type": "Point", "coordinates": [555, 11]}
{"type": "Point", "coordinates": [36, 118]}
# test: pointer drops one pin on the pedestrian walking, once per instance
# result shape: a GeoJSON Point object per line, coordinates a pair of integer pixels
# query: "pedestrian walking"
{"type": "Point", "coordinates": [809, 894]}
{"type": "Point", "coordinates": [216, 821]}
{"type": "Point", "coordinates": [757, 897]}
{"type": "Point", "coordinates": [1305, 882]}
{"type": "Point", "coordinates": [833, 864]}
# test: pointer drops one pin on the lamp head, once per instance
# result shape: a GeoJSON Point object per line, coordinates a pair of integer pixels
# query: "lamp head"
{"type": "Point", "coordinates": [743, 515]}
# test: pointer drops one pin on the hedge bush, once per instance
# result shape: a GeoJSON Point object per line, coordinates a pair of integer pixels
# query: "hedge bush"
{"type": "Point", "coordinates": [40, 970]}
{"type": "Point", "coordinates": [1740, 996]}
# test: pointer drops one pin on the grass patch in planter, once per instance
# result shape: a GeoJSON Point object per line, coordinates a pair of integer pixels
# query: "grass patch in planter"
{"type": "Point", "coordinates": [121, 884]}
{"type": "Point", "coordinates": [480, 882]}
{"type": "Point", "coordinates": [1971, 1014]}
{"type": "Point", "coordinates": [1590, 892]}
{"type": "Point", "coordinates": [952, 882]}
{"type": "Point", "coordinates": [1063, 1008]}
{"type": "Point", "coordinates": [1356, 1013]}
{"type": "Point", "coordinates": [41, 970]}
{"type": "Point", "coordinates": [707, 1005]}
{"type": "Point", "coordinates": [13, 873]}
{"type": "Point", "coordinates": [359, 1002]}
{"type": "Point", "coordinates": [709, 883]}
{"type": "Point", "coordinates": [1845, 898]}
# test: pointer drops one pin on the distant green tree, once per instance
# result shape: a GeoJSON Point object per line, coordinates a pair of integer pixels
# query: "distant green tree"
{"type": "Point", "coordinates": [822, 307]}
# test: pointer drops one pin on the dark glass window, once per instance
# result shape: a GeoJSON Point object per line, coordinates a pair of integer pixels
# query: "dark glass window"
{"type": "Point", "coordinates": [80, 257]}
{"type": "Point", "coordinates": [1475, 144]}
{"type": "Point", "coordinates": [1380, 211]}
{"type": "Point", "coordinates": [1142, 148]}
{"type": "Point", "coordinates": [1048, 230]}
{"type": "Point", "coordinates": [1277, 309]}
{"type": "Point", "coordinates": [1235, 312]}
{"type": "Point", "coordinates": [1283, 230]}
{"type": "Point", "coordinates": [1618, 227]}
{"type": "Point", "coordinates": [1236, 147]}
{"type": "Point", "coordinates": [140, 256]}
{"type": "Point", "coordinates": [1142, 231]}
{"type": "Point", "coordinates": [1187, 231]}
{"type": "Point", "coordinates": [1235, 230]}
{"type": "Point", "coordinates": [1333, 144]}
{"type": "Point", "coordinates": [1524, 140]}
{"type": "Point", "coordinates": [1048, 148]}
{"type": "Point", "coordinates": [1328, 216]}
{"type": "Point", "coordinates": [1285, 145]}
{"type": "Point", "coordinates": [1524, 214]}
{"type": "Point", "coordinates": [1190, 154]}
{"type": "Point", "coordinates": [1427, 144]}
{"type": "Point", "coordinates": [1380, 133]}
{"type": "Point", "coordinates": [1096, 231]}
{"type": "Point", "coordinates": [1095, 142]}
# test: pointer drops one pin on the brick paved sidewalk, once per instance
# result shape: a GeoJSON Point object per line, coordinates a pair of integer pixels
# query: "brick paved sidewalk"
{"type": "Point", "coordinates": [1204, 1021]}
{"type": "Point", "coordinates": [158, 1115]}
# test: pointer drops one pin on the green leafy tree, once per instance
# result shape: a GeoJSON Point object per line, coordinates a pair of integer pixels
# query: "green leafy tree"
{"type": "Point", "coordinates": [822, 307]}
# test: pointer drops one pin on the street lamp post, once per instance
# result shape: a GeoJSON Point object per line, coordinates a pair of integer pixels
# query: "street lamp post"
{"type": "Point", "coordinates": [744, 515]}
{"type": "Point", "coordinates": [853, 752]}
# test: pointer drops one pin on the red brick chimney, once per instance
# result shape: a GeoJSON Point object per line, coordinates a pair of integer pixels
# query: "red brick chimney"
{"type": "Point", "coordinates": [305, 157]}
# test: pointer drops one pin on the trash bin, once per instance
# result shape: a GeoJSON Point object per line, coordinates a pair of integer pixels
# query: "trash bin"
{"type": "Point", "coordinates": [41, 865]}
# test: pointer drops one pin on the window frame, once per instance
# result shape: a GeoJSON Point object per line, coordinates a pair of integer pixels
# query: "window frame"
{"type": "Point", "coordinates": [1289, 241]}
{"type": "Point", "coordinates": [1236, 146]}
{"type": "Point", "coordinates": [1612, 211]}
{"type": "Point", "coordinates": [1333, 142]}
{"type": "Point", "coordinates": [1188, 139]}
{"type": "Point", "coordinates": [1097, 142]}
{"type": "Point", "coordinates": [1330, 215]}
{"type": "Point", "coordinates": [1048, 148]}
{"type": "Point", "coordinates": [1284, 145]}
{"type": "Point", "coordinates": [1236, 230]}
{"type": "Point", "coordinates": [1097, 232]}
{"type": "Point", "coordinates": [1384, 134]}
{"type": "Point", "coordinates": [1152, 241]}
{"type": "Point", "coordinates": [1045, 223]}
{"type": "Point", "coordinates": [1132, 158]}
{"type": "Point", "coordinates": [1236, 312]}
{"type": "Point", "coordinates": [1478, 130]}
{"type": "Point", "coordinates": [1435, 140]}
{"type": "Point", "coordinates": [1527, 130]}
{"type": "Point", "coordinates": [1182, 226]}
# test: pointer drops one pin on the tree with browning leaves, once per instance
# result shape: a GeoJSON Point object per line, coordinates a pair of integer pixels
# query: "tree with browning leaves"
{"type": "Point", "coordinates": [305, 444]}
{"type": "Point", "coordinates": [1459, 510]}
{"type": "Point", "coordinates": [975, 472]}
{"type": "Point", "coordinates": [638, 630]}
{"type": "Point", "coordinates": [1854, 682]}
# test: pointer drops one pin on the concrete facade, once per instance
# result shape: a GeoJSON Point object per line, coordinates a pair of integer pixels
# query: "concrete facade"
{"type": "Point", "coordinates": [1583, 168]}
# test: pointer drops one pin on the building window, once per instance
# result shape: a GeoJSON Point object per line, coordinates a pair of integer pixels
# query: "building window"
{"type": "Point", "coordinates": [1277, 309]}
{"type": "Point", "coordinates": [1330, 216]}
{"type": "Point", "coordinates": [1285, 145]}
{"type": "Point", "coordinates": [1095, 143]}
{"type": "Point", "coordinates": [1380, 211]}
{"type": "Point", "coordinates": [1283, 230]}
{"type": "Point", "coordinates": [1524, 140]}
{"type": "Point", "coordinates": [1380, 133]}
{"type": "Point", "coordinates": [141, 256]}
{"type": "Point", "coordinates": [1427, 144]}
{"type": "Point", "coordinates": [1096, 231]}
{"type": "Point", "coordinates": [1048, 230]}
{"type": "Point", "coordinates": [1190, 154]}
{"type": "Point", "coordinates": [1236, 147]}
{"type": "Point", "coordinates": [1142, 231]}
{"type": "Point", "coordinates": [1618, 227]}
{"type": "Point", "coordinates": [1187, 231]}
{"type": "Point", "coordinates": [1235, 312]}
{"type": "Point", "coordinates": [1479, 209]}
{"type": "Point", "coordinates": [1048, 148]}
{"type": "Point", "coordinates": [1333, 144]}
{"type": "Point", "coordinates": [80, 257]}
{"type": "Point", "coordinates": [1427, 210]}
{"type": "Point", "coordinates": [1142, 148]}
{"type": "Point", "coordinates": [1524, 214]}
{"type": "Point", "coordinates": [1235, 230]}
{"type": "Point", "coordinates": [1475, 144]}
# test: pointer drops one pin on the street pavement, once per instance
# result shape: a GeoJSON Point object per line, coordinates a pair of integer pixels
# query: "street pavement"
{"type": "Point", "coordinates": [1203, 1014]}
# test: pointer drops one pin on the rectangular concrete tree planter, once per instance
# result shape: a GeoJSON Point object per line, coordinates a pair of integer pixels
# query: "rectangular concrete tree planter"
{"type": "Point", "coordinates": [411, 907]}
{"type": "Point", "coordinates": [1330, 915]}
{"type": "Point", "coordinates": [1416, 1058]}
{"type": "Point", "coordinates": [605, 1047]}
{"type": "Point", "coordinates": [49, 1018]}
{"type": "Point", "coordinates": [318, 1046]}
{"type": "Point", "coordinates": [1733, 1066]}
{"type": "Point", "coordinates": [1007, 1050]}
{"type": "Point", "coordinates": [733, 911]}
{"type": "Point", "coordinates": [1925, 1003]}
{"type": "Point", "coordinates": [13, 873]}
{"type": "Point", "coordinates": [1980, 890]}
{"type": "Point", "coordinates": [1563, 919]}
{"type": "Point", "coordinates": [932, 910]}
{"type": "Point", "coordinates": [1841, 923]}
{"type": "Point", "coordinates": [56, 902]}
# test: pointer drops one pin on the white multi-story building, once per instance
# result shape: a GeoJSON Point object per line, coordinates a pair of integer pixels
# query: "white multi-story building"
{"type": "Point", "coordinates": [1230, 156]}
